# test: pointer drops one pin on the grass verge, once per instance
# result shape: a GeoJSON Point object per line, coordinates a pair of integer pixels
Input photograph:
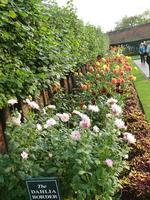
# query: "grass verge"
{"type": "Point", "coordinates": [136, 57]}
{"type": "Point", "coordinates": [142, 85]}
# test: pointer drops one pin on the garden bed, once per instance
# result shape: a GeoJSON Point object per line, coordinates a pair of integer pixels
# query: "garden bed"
{"type": "Point", "coordinates": [82, 139]}
{"type": "Point", "coordinates": [136, 183]}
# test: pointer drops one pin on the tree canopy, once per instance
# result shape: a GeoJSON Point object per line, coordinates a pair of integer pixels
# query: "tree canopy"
{"type": "Point", "coordinates": [127, 22]}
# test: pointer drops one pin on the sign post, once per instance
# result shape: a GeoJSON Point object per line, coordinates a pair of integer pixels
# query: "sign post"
{"type": "Point", "coordinates": [43, 188]}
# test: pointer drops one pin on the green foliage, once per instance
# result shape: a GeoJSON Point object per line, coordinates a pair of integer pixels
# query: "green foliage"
{"type": "Point", "coordinates": [142, 87]}
{"type": "Point", "coordinates": [127, 22]}
{"type": "Point", "coordinates": [80, 164]}
{"type": "Point", "coordinates": [83, 145]}
{"type": "Point", "coordinates": [41, 43]}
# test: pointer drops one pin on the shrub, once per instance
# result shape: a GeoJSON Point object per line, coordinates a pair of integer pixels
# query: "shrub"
{"type": "Point", "coordinates": [137, 185]}
{"type": "Point", "coordinates": [71, 146]}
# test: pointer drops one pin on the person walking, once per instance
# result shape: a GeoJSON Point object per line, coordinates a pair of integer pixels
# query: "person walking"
{"type": "Point", "coordinates": [142, 52]}
{"type": "Point", "coordinates": [148, 55]}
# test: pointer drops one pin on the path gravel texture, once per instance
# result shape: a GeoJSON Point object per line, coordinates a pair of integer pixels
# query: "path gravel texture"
{"type": "Point", "coordinates": [143, 67]}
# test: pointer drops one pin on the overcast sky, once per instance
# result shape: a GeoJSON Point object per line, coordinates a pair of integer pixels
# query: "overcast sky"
{"type": "Point", "coordinates": [105, 13]}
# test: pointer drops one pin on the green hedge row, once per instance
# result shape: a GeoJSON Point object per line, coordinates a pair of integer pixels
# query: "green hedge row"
{"type": "Point", "coordinates": [40, 43]}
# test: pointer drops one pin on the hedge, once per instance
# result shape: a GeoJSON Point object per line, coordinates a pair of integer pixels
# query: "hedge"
{"type": "Point", "coordinates": [41, 43]}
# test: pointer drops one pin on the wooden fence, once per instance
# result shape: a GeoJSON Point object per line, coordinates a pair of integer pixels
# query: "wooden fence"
{"type": "Point", "coordinates": [69, 85]}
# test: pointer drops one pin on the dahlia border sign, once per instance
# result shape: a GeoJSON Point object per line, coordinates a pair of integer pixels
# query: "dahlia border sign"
{"type": "Point", "coordinates": [43, 188]}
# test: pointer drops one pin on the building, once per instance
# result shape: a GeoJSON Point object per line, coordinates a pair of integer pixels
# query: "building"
{"type": "Point", "coordinates": [130, 38]}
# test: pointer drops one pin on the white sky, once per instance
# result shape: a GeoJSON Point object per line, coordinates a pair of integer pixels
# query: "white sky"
{"type": "Point", "coordinates": [105, 13]}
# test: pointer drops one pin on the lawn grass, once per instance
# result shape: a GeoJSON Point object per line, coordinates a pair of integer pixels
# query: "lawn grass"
{"type": "Point", "coordinates": [136, 57]}
{"type": "Point", "coordinates": [142, 85]}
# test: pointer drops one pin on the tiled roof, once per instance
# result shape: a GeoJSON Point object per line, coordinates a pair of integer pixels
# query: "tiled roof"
{"type": "Point", "coordinates": [140, 32]}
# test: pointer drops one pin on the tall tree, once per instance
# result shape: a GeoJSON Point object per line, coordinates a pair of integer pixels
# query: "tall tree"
{"type": "Point", "coordinates": [127, 22]}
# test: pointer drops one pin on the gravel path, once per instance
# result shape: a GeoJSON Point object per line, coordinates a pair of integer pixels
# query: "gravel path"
{"type": "Point", "coordinates": [143, 67]}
